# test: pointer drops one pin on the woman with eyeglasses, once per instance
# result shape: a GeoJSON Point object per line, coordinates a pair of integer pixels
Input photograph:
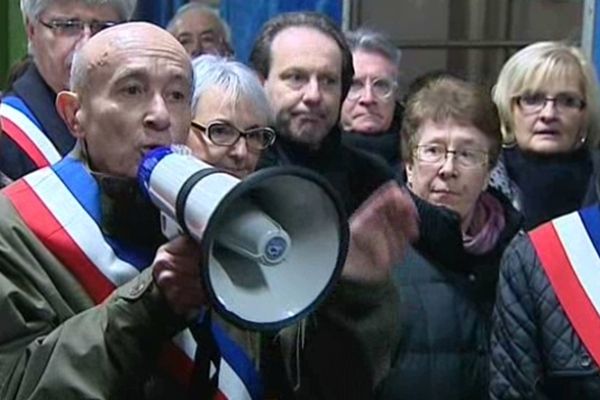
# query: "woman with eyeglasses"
{"type": "Point", "coordinates": [451, 140]}
{"type": "Point", "coordinates": [547, 98]}
{"type": "Point", "coordinates": [546, 324]}
{"type": "Point", "coordinates": [232, 116]}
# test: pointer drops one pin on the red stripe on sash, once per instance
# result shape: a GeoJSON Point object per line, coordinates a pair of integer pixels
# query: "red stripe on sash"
{"type": "Point", "coordinates": [25, 143]}
{"type": "Point", "coordinates": [568, 289]}
{"type": "Point", "coordinates": [172, 356]}
{"type": "Point", "coordinates": [44, 225]}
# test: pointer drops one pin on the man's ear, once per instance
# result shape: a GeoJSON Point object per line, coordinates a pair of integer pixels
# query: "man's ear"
{"type": "Point", "coordinates": [29, 29]}
{"type": "Point", "coordinates": [68, 106]}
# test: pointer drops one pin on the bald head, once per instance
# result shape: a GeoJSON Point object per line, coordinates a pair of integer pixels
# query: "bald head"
{"type": "Point", "coordinates": [110, 45]}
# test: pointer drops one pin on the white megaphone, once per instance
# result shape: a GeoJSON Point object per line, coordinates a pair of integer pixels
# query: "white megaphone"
{"type": "Point", "coordinates": [273, 244]}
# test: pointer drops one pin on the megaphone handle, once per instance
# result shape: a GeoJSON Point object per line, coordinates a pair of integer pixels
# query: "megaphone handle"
{"type": "Point", "coordinates": [207, 353]}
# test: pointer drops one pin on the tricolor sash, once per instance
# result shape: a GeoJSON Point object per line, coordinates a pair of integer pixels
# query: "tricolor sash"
{"type": "Point", "coordinates": [61, 206]}
{"type": "Point", "coordinates": [19, 123]}
{"type": "Point", "coordinates": [568, 249]}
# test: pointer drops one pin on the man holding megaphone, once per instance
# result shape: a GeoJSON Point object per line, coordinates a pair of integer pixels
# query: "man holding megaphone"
{"type": "Point", "coordinates": [92, 305]}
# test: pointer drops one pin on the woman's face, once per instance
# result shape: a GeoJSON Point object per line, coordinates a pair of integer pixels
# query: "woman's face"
{"type": "Point", "coordinates": [552, 119]}
{"type": "Point", "coordinates": [449, 167]}
{"type": "Point", "coordinates": [239, 158]}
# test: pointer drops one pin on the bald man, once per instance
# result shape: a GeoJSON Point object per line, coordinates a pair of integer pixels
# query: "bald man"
{"type": "Point", "coordinates": [87, 298]}
{"type": "Point", "coordinates": [91, 305]}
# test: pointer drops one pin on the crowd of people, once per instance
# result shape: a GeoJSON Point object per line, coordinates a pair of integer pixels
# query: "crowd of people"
{"type": "Point", "coordinates": [472, 216]}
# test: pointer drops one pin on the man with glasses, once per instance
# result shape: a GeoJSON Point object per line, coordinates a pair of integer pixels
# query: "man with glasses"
{"type": "Point", "coordinates": [371, 116]}
{"type": "Point", "coordinates": [34, 134]}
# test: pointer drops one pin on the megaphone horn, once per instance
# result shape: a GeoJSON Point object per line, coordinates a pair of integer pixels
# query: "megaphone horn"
{"type": "Point", "coordinates": [273, 243]}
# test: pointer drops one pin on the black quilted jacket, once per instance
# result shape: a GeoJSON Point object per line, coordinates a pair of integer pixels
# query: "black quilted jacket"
{"type": "Point", "coordinates": [536, 354]}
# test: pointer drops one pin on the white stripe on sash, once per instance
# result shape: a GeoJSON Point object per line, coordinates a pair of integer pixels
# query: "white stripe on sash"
{"type": "Point", "coordinates": [32, 131]}
{"type": "Point", "coordinates": [80, 226]}
{"type": "Point", "coordinates": [186, 342]}
{"type": "Point", "coordinates": [581, 253]}
{"type": "Point", "coordinates": [230, 383]}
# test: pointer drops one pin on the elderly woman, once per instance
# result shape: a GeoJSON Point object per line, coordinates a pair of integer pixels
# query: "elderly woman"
{"type": "Point", "coordinates": [451, 140]}
{"type": "Point", "coordinates": [232, 115]}
{"type": "Point", "coordinates": [547, 97]}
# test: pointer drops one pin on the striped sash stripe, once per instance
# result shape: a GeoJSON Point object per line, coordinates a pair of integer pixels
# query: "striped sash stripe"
{"type": "Point", "coordinates": [21, 126]}
{"type": "Point", "coordinates": [568, 251]}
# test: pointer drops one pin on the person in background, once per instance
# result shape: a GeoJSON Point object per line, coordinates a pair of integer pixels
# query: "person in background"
{"type": "Point", "coordinates": [201, 31]}
{"type": "Point", "coordinates": [547, 97]}
{"type": "Point", "coordinates": [232, 117]}
{"type": "Point", "coordinates": [371, 113]}
{"type": "Point", "coordinates": [34, 134]}
{"type": "Point", "coordinates": [451, 140]}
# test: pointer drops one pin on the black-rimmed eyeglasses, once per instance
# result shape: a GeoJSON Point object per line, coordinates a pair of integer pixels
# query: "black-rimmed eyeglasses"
{"type": "Point", "coordinates": [224, 134]}
{"type": "Point", "coordinates": [74, 27]}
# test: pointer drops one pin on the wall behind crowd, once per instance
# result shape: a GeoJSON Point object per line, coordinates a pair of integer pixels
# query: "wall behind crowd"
{"type": "Point", "coordinates": [12, 37]}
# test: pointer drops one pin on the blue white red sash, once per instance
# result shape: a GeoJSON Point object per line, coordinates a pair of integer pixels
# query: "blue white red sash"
{"type": "Point", "coordinates": [569, 250]}
{"type": "Point", "coordinates": [19, 123]}
{"type": "Point", "coordinates": [60, 204]}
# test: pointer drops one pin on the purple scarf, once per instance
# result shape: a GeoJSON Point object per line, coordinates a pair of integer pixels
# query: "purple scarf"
{"type": "Point", "coordinates": [489, 210]}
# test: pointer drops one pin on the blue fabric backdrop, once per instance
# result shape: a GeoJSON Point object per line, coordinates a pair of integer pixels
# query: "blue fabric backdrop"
{"type": "Point", "coordinates": [246, 17]}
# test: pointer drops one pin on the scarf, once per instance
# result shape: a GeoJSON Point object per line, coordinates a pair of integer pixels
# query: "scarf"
{"type": "Point", "coordinates": [488, 222]}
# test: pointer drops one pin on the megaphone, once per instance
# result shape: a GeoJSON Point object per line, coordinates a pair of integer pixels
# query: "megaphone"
{"type": "Point", "coordinates": [273, 244]}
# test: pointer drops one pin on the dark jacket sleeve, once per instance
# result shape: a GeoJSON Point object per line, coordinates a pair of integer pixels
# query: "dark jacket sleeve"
{"type": "Point", "coordinates": [516, 366]}
{"type": "Point", "coordinates": [53, 343]}
{"type": "Point", "coordinates": [349, 343]}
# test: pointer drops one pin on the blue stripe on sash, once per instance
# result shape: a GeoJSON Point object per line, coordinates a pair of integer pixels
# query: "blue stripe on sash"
{"type": "Point", "coordinates": [591, 221]}
{"type": "Point", "coordinates": [85, 189]}
{"type": "Point", "coordinates": [17, 103]}
{"type": "Point", "coordinates": [239, 362]}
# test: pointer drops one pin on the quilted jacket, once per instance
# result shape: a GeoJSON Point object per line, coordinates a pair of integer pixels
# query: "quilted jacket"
{"type": "Point", "coordinates": [536, 354]}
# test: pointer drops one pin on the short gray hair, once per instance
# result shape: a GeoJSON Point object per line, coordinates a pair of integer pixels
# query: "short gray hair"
{"type": "Point", "coordinates": [32, 9]}
{"type": "Point", "coordinates": [371, 41]}
{"type": "Point", "coordinates": [201, 8]}
{"type": "Point", "coordinates": [236, 80]}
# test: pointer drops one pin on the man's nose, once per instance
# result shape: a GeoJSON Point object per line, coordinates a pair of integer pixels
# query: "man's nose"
{"type": "Point", "coordinates": [157, 116]}
{"type": "Point", "coordinates": [312, 91]}
{"type": "Point", "coordinates": [367, 96]}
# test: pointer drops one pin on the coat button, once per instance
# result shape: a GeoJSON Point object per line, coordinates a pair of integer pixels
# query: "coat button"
{"type": "Point", "coordinates": [585, 361]}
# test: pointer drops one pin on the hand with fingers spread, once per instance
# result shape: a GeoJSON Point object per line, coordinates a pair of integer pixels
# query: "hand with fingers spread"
{"type": "Point", "coordinates": [380, 230]}
{"type": "Point", "coordinates": [177, 275]}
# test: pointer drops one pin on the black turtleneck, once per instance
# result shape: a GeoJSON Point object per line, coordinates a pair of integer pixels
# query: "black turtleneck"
{"type": "Point", "coordinates": [550, 185]}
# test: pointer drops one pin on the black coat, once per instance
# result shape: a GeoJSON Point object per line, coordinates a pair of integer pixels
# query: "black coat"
{"type": "Point", "coordinates": [447, 297]}
{"type": "Point", "coordinates": [38, 96]}
{"type": "Point", "coordinates": [352, 173]}
{"type": "Point", "coordinates": [536, 354]}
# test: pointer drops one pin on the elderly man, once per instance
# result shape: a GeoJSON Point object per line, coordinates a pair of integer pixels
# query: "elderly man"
{"type": "Point", "coordinates": [306, 67]}
{"type": "Point", "coordinates": [200, 30]}
{"type": "Point", "coordinates": [371, 116]}
{"type": "Point", "coordinates": [35, 136]}
{"type": "Point", "coordinates": [87, 301]}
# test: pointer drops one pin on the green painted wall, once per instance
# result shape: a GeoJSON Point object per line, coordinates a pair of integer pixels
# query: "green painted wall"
{"type": "Point", "coordinates": [13, 43]}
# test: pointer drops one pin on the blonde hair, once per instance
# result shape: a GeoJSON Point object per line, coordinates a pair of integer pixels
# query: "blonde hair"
{"type": "Point", "coordinates": [534, 66]}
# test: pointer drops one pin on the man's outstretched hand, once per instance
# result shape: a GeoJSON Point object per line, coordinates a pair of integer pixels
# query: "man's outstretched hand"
{"type": "Point", "coordinates": [380, 231]}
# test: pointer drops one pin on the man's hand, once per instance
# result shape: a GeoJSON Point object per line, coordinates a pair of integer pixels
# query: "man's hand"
{"type": "Point", "coordinates": [379, 233]}
{"type": "Point", "coordinates": [177, 275]}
